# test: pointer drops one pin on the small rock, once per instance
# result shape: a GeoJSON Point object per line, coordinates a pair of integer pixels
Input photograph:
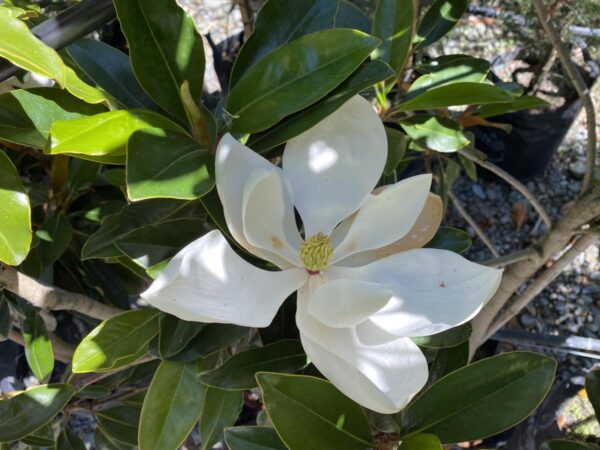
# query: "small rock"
{"type": "Point", "coordinates": [527, 320]}
{"type": "Point", "coordinates": [577, 170]}
{"type": "Point", "coordinates": [595, 276]}
{"type": "Point", "coordinates": [478, 191]}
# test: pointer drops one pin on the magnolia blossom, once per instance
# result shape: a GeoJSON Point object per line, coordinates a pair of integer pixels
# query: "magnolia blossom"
{"type": "Point", "coordinates": [365, 286]}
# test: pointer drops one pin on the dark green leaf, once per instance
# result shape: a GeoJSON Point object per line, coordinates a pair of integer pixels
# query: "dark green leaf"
{"type": "Point", "coordinates": [447, 360]}
{"type": "Point", "coordinates": [103, 135]}
{"type": "Point", "coordinates": [106, 442]}
{"type": "Point", "coordinates": [55, 237]}
{"type": "Point", "coordinates": [221, 409]}
{"type": "Point", "coordinates": [121, 423]}
{"type": "Point", "coordinates": [43, 437]}
{"type": "Point", "coordinates": [212, 338]}
{"type": "Point", "coordinates": [67, 440]}
{"type": "Point", "coordinates": [421, 442]}
{"type": "Point", "coordinates": [172, 406]}
{"type": "Point", "coordinates": [439, 19]}
{"type": "Point", "coordinates": [481, 399]}
{"type": "Point", "coordinates": [351, 16]}
{"type": "Point", "coordinates": [559, 444]}
{"type": "Point", "coordinates": [238, 372]}
{"type": "Point", "coordinates": [15, 223]}
{"type": "Point", "coordinates": [283, 325]}
{"type": "Point", "coordinates": [26, 116]}
{"type": "Point", "coordinates": [452, 239]}
{"type": "Point", "coordinates": [309, 412]}
{"type": "Point", "coordinates": [38, 348]}
{"type": "Point", "coordinates": [29, 411]}
{"type": "Point", "coordinates": [396, 149]}
{"type": "Point", "coordinates": [517, 104]}
{"type": "Point", "coordinates": [165, 50]}
{"type": "Point", "coordinates": [364, 77]}
{"type": "Point", "coordinates": [5, 318]}
{"type": "Point", "coordinates": [450, 338]}
{"type": "Point", "coordinates": [293, 18]}
{"type": "Point", "coordinates": [253, 438]}
{"type": "Point", "coordinates": [434, 132]}
{"type": "Point", "coordinates": [116, 342]}
{"type": "Point", "coordinates": [393, 23]}
{"type": "Point", "coordinates": [162, 163]}
{"type": "Point", "coordinates": [456, 94]}
{"type": "Point", "coordinates": [592, 386]}
{"type": "Point", "coordinates": [294, 76]}
{"type": "Point", "coordinates": [175, 334]}
{"type": "Point", "coordinates": [110, 69]}
{"type": "Point", "coordinates": [94, 392]}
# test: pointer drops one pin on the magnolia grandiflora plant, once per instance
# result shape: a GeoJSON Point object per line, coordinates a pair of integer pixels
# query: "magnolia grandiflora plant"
{"type": "Point", "coordinates": [364, 285]}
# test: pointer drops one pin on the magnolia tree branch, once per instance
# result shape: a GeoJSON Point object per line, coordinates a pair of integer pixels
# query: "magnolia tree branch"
{"type": "Point", "coordinates": [246, 13]}
{"type": "Point", "coordinates": [582, 212]}
{"type": "Point", "coordinates": [517, 303]}
{"type": "Point", "coordinates": [463, 212]}
{"type": "Point", "coordinates": [513, 182]}
{"type": "Point", "coordinates": [578, 83]}
{"type": "Point", "coordinates": [43, 296]}
{"type": "Point", "coordinates": [511, 258]}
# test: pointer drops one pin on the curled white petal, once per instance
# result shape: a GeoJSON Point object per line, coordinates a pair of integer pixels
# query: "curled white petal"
{"type": "Point", "coordinates": [333, 166]}
{"type": "Point", "coordinates": [434, 290]}
{"type": "Point", "coordinates": [208, 282]}
{"type": "Point", "coordinates": [386, 217]}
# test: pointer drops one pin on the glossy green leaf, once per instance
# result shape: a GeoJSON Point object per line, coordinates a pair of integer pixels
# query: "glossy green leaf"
{"type": "Point", "coordinates": [110, 69]}
{"type": "Point", "coordinates": [212, 338]}
{"type": "Point", "coordinates": [592, 386]}
{"type": "Point", "coordinates": [55, 237]}
{"type": "Point", "coordinates": [449, 338]}
{"type": "Point", "coordinates": [394, 24]}
{"type": "Point", "coordinates": [463, 93]}
{"type": "Point", "coordinates": [293, 18]}
{"type": "Point", "coordinates": [129, 218]}
{"type": "Point", "coordinates": [84, 91]}
{"type": "Point", "coordinates": [452, 239]}
{"type": "Point", "coordinates": [310, 412]}
{"type": "Point", "coordinates": [5, 318]}
{"type": "Point", "coordinates": [165, 50]}
{"type": "Point", "coordinates": [439, 19]}
{"type": "Point", "coordinates": [447, 360]}
{"type": "Point", "coordinates": [116, 342]}
{"type": "Point", "coordinates": [481, 399]}
{"type": "Point", "coordinates": [32, 409]}
{"type": "Point", "coordinates": [351, 16]}
{"type": "Point", "coordinates": [397, 143]}
{"type": "Point", "coordinates": [102, 134]}
{"type": "Point", "coordinates": [27, 115]}
{"type": "Point", "coordinates": [121, 423]}
{"type": "Point", "coordinates": [518, 104]}
{"type": "Point", "coordinates": [151, 244]}
{"type": "Point", "coordinates": [175, 334]}
{"type": "Point", "coordinates": [67, 440]}
{"type": "Point", "coordinates": [38, 348]}
{"type": "Point", "coordinates": [239, 371]}
{"type": "Point", "coordinates": [167, 164]}
{"type": "Point", "coordinates": [294, 76]}
{"type": "Point", "coordinates": [253, 438]}
{"type": "Point", "coordinates": [364, 77]}
{"type": "Point", "coordinates": [435, 132]}
{"type": "Point", "coordinates": [94, 392]}
{"type": "Point", "coordinates": [42, 437]}
{"type": "Point", "coordinates": [221, 409]}
{"type": "Point", "coordinates": [421, 442]}
{"type": "Point", "coordinates": [560, 444]}
{"type": "Point", "coordinates": [172, 406]}
{"type": "Point", "coordinates": [19, 46]}
{"type": "Point", "coordinates": [15, 215]}
{"type": "Point", "coordinates": [447, 70]}
{"type": "Point", "coordinates": [105, 442]}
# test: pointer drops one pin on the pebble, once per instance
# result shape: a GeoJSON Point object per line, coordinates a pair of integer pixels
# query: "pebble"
{"type": "Point", "coordinates": [577, 170]}
{"type": "Point", "coordinates": [478, 191]}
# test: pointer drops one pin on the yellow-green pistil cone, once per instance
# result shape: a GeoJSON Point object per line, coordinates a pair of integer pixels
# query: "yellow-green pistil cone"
{"type": "Point", "coordinates": [315, 252]}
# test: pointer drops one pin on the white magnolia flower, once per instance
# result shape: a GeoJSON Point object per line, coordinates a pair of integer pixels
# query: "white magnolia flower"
{"type": "Point", "coordinates": [364, 285]}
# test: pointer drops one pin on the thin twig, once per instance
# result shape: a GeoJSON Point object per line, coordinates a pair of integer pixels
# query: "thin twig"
{"type": "Point", "coordinates": [246, 13]}
{"type": "Point", "coordinates": [579, 85]}
{"type": "Point", "coordinates": [63, 351]}
{"type": "Point", "coordinates": [516, 304]}
{"type": "Point", "coordinates": [461, 209]}
{"type": "Point", "coordinates": [511, 258]}
{"type": "Point", "coordinates": [43, 296]}
{"type": "Point", "coordinates": [513, 182]}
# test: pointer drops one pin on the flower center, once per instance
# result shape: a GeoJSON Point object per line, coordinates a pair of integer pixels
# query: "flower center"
{"type": "Point", "coordinates": [315, 252]}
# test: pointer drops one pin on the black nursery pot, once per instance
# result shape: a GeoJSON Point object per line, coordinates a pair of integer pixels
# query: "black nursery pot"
{"type": "Point", "coordinates": [527, 150]}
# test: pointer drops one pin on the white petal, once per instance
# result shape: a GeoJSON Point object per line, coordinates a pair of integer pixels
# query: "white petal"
{"type": "Point", "coordinates": [234, 164]}
{"type": "Point", "coordinates": [269, 216]}
{"type": "Point", "coordinates": [333, 166]}
{"type": "Point", "coordinates": [386, 217]}
{"type": "Point", "coordinates": [345, 303]}
{"type": "Point", "coordinates": [208, 282]}
{"type": "Point", "coordinates": [434, 290]}
{"type": "Point", "coordinates": [382, 377]}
